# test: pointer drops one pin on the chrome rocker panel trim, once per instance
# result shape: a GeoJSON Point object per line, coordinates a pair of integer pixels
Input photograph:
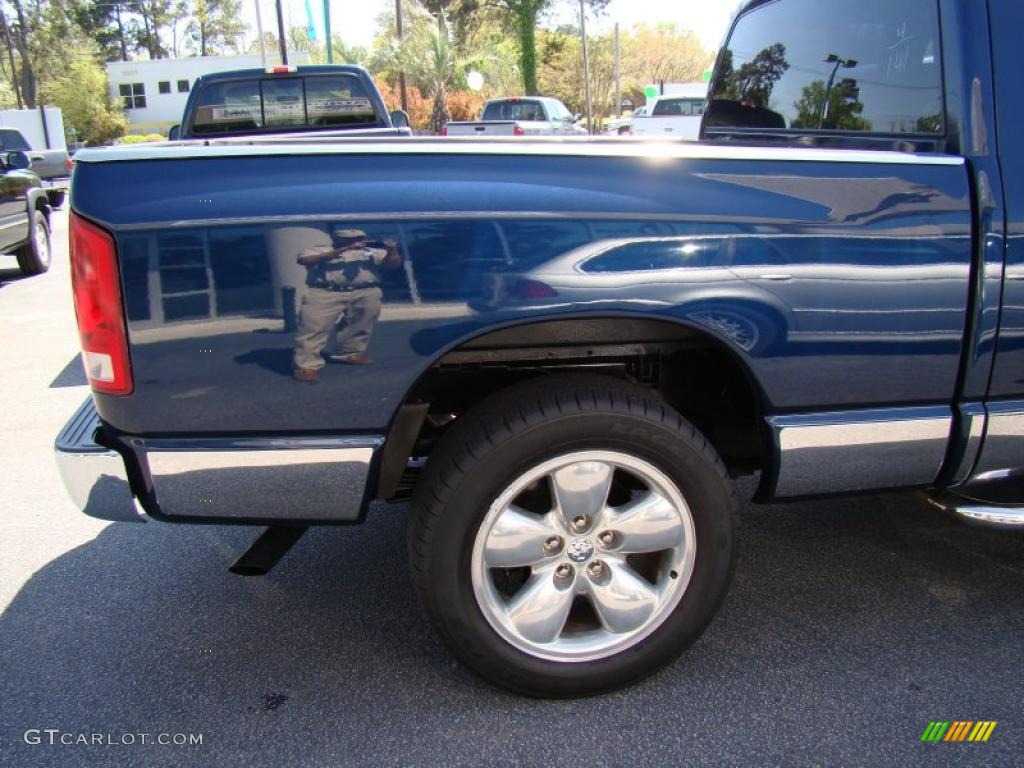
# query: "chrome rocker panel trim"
{"type": "Point", "coordinates": [849, 451]}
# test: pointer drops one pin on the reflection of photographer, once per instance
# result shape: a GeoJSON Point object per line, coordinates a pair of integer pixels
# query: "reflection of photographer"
{"type": "Point", "coordinates": [344, 296]}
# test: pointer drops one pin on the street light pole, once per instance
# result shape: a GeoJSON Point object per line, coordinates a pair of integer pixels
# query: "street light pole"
{"type": "Point", "coordinates": [327, 31]}
{"type": "Point", "coordinates": [402, 89]}
{"type": "Point", "coordinates": [837, 62]}
{"type": "Point", "coordinates": [586, 65]}
{"type": "Point", "coordinates": [280, 33]}
{"type": "Point", "coordinates": [618, 73]}
{"type": "Point", "coordinates": [259, 31]}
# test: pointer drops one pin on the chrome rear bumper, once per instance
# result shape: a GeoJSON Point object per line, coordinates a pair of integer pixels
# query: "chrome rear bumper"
{"type": "Point", "coordinates": [247, 480]}
{"type": "Point", "coordinates": [94, 475]}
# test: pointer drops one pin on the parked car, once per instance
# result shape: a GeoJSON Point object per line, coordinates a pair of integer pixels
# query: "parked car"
{"type": "Point", "coordinates": [520, 116]}
{"type": "Point", "coordinates": [51, 166]}
{"type": "Point", "coordinates": [24, 213]}
{"type": "Point", "coordinates": [562, 352]}
{"type": "Point", "coordinates": [623, 126]}
{"type": "Point", "coordinates": [674, 116]}
{"type": "Point", "coordinates": [325, 100]}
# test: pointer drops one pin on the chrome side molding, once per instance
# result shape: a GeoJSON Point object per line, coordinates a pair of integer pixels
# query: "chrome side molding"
{"type": "Point", "coordinates": [254, 480]}
{"type": "Point", "coordinates": [862, 450]}
{"type": "Point", "coordinates": [979, 513]}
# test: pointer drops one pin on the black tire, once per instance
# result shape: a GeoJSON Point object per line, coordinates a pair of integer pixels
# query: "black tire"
{"type": "Point", "coordinates": [34, 256]}
{"type": "Point", "coordinates": [56, 197]}
{"type": "Point", "coordinates": [520, 428]}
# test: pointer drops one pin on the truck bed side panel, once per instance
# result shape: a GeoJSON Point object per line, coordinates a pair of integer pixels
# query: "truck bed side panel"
{"type": "Point", "coordinates": [841, 286]}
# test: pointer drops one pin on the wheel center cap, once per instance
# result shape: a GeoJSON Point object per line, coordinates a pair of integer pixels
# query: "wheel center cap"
{"type": "Point", "coordinates": [579, 550]}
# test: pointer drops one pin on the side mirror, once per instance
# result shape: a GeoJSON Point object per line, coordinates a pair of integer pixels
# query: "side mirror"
{"type": "Point", "coordinates": [17, 161]}
{"type": "Point", "coordinates": [174, 133]}
{"type": "Point", "coordinates": [399, 119]}
{"type": "Point", "coordinates": [577, 117]}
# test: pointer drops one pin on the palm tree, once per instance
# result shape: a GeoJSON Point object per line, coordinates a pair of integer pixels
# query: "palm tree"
{"type": "Point", "coordinates": [433, 60]}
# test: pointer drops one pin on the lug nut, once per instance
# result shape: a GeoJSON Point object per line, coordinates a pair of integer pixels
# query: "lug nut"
{"type": "Point", "coordinates": [580, 523]}
{"type": "Point", "coordinates": [564, 571]}
{"type": "Point", "coordinates": [606, 539]}
{"type": "Point", "coordinates": [553, 545]}
{"type": "Point", "coordinates": [595, 570]}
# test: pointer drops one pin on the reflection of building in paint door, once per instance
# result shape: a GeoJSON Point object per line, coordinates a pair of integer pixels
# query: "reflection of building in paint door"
{"type": "Point", "coordinates": [196, 275]}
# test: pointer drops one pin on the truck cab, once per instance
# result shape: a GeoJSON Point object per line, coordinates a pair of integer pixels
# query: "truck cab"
{"type": "Point", "coordinates": [287, 100]}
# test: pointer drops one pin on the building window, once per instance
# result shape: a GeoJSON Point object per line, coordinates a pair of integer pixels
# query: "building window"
{"type": "Point", "coordinates": [164, 86]}
{"type": "Point", "coordinates": [133, 95]}
{"type": "Point", "coordinates": [183, 86]}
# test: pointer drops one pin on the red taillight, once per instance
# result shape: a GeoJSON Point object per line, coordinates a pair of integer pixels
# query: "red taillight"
{"type": "Point", "coordinates": [281, 69]}
{"type": "Point", "coordinates": [518, 131]}
{"type": "Point", "coordinates": [96, 285]}
{"type": "Point", "coordinates": [444, 130]}
{"type": "Point", "coordinates": [533, 289]}
{"type": "Point", "coordinates": [69, 164]}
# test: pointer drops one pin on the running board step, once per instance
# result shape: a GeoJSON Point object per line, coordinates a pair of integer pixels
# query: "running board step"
{"type": "Point", "coordinates": [1007, 517]}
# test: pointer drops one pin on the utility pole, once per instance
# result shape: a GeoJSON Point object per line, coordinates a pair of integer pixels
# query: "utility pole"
{"type": "Point", "coordinates": [586, 65]}
{"type": "Point", "coordinates": [618, 73]}
{"type": "Point", "coordinates": [280, 33]}
{"type": "Point", "coordinates": [327, 31]}
{"type": "Point", "coordinates": [259, 31]}
{"type": "Point", "coordinates": [401, 75]}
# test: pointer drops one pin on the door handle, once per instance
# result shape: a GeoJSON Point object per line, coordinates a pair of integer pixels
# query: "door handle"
{"type": "Point", "coordinates": [776, 277]}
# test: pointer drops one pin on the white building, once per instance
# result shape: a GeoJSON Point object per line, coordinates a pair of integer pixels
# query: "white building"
{"type": "Point", "coordinates": [154, 92]}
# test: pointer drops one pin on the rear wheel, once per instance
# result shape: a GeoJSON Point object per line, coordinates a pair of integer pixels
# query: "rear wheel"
{"type": "Point", "coordinates": [34, 256]}
{"type": "Point", "coordinates": [571, 535]}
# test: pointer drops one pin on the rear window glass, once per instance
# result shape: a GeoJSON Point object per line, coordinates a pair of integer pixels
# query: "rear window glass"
{"type": "Point", "coordinates": [679, 107]}
{"type": "Point", "coordinates": [282, 103]}
{"type": "Point", "coordinates": [11, 141]}
{"type": "Point", "coordinates": [514, 110]}
{"type": "Point", "coordinates": [843, 65]}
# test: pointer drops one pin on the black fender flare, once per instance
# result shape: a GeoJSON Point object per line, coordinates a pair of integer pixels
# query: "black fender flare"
{"type": "Point", "coordinates": [36, 200]}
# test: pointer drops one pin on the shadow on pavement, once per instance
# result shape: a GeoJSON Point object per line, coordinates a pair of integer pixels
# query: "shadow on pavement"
{"type": "Point", "coordinates": [11, 275]}
{"type": "Point", "coordinates": [71, 375]}
{"type": "Point", "coordinates": [850, 625]}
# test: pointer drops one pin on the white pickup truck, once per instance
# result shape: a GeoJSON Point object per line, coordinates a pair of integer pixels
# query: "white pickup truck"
{"type": "Point", "coordinates": [526, 116]}
{"type": "Point", "coordinates": [673, 116]}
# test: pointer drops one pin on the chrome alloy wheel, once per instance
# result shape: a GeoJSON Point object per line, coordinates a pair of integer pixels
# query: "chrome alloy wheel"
{"type": "Point", "coordinates": [42, 245]}
{"type": "Point", "coordinates": [583, 556]}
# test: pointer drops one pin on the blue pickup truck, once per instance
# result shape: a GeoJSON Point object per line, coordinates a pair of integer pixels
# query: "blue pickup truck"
{"type": "Point", "coordinates": [562, 352]}
{"type": "Point", "coordinates": [282, 100]}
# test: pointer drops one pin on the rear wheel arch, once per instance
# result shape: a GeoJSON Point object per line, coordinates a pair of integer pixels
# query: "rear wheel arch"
{"type": "Point", "coordinates": [450, 385]}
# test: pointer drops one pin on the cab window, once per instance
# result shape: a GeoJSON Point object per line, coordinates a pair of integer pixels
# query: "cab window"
{"type": "Point", "coordinates": [855, 66]}
{"type": "Point", "coordinates": [277, 103]}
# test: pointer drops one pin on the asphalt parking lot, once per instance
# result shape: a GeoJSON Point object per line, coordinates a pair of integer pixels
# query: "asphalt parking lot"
{"type": "Point", "coordinates": [851, 624]}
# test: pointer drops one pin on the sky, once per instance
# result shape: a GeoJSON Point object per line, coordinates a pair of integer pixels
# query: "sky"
{"type": "Point", "coordinates": [355, 20]}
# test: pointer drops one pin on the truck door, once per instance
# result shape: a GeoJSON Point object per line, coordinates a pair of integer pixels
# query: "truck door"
{"type": "Point", "coordinates": [1002, 453]}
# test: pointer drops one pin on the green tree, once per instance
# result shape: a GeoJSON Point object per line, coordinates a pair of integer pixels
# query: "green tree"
{"type": "Point", "coordinates": [843, 111]}
{"type": "Point", "coordinates": [753, 82]}
{"type": "Point", "coordinates": [215, 26]}
{"type": "Point", "coordinates": [432, 59]}
{"type": "Point", "coordinates": [524, 15]}
{"type": "Point", "coordinates": [81, 92]}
